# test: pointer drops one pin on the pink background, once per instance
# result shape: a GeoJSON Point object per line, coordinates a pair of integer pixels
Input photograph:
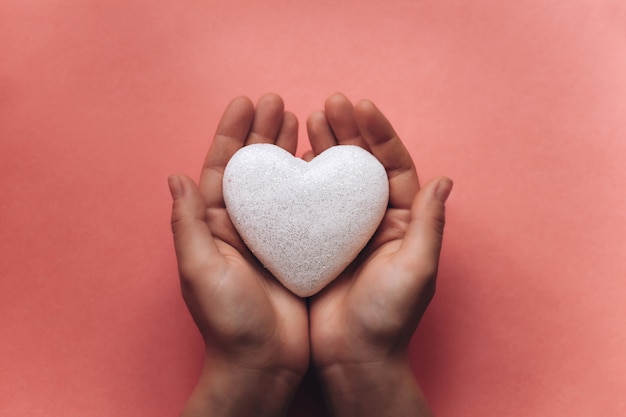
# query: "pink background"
{"type": "Point", "coordinates": [522, 103]}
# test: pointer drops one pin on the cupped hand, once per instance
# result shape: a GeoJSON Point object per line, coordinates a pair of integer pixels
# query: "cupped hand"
{"type": "Point", "coordinates": [363, 321]}
{"type": "Point", "coordinates": [255, 331]}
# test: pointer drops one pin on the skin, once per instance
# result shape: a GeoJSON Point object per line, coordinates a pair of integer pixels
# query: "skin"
{"type": "Point", "coordinates": [361, 324]}
{"type": "Point", "coordinates": [255, 330]}
{"type": "Point", "coordinates": [260, 338]}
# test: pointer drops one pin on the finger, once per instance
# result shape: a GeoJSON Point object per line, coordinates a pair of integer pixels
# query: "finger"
{"type": "Point", "coordinates": [308, 156]}
{"type": "Point", "coordinates": [422, 243]}
{"type": "Point", "coordinates": [385, 144]}
{"type": "Point", "coordinates": [230, 136]}
{"type": "Point", "coordinates": [193, 241]}
{"type": "Point", "coordinates": [268, 118]}
{"type": "Point", "coordinates": [288, 134]}
{"type": "Point", "coordinates": [320, 134]}
{"type": "Point", "coordinates": [340, 114]}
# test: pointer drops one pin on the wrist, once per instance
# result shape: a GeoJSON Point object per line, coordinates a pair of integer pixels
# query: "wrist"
{"type": "Point", "coordinates": [385, 387]}
{"type": "Point", "coordinates": [224, 390]}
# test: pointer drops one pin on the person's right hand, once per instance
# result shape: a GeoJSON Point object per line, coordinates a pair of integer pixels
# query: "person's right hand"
{"type": "Point", "coordinates": [362, 322]}
{"type": "Point", "coordinates": [255, 330]}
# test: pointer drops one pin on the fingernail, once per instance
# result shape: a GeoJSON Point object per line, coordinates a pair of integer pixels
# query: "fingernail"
{"type": "Point", "coordinates": [442, 192]}
{"type": "Point", "coordinates": [175, 185]}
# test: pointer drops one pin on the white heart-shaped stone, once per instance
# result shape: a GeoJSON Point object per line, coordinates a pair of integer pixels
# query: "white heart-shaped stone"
{"type": "Point", "coordinates": [305, 221]}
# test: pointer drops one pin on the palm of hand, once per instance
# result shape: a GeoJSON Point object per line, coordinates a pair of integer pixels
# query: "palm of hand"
{"type": "Point", "coordinates": [375, 305]}
{"type": "Point", "coordinates": [244, 315]}
{"type": "Point", "coordinates": [257, 333]}
{"type": "Point", "coordinates": [369, 309]}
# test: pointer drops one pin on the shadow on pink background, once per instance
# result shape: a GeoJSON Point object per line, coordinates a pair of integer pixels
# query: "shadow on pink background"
{"type": "Point", "coordinates": [522, 103]}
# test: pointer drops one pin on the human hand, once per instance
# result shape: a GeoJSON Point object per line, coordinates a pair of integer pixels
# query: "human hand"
{"type": "Point", "coordinates": [361, 324]}
{"type": "Point", "coordinates": [255, 330]}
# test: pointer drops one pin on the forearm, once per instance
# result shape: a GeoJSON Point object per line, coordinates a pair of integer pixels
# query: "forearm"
{"type": "Point", "coordinates": [224, 390]}
{"type": "Point", "coordinates": [377, 389]}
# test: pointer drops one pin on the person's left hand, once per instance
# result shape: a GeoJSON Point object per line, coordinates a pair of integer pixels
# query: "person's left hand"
{"type": "Point", "coordinates": [255, 330]}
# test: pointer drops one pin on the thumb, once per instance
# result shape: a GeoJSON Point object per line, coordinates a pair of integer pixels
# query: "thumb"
{"type": "Point", "coordinates": [422, 243]}
{"type": "Point", "coordinates": [193, 240]}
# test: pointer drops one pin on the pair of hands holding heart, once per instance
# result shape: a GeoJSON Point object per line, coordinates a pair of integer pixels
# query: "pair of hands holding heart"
{"type": "Point", "coordinates": [259, 336]}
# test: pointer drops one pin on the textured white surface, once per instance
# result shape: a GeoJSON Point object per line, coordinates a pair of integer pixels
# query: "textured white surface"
{"type": "Point", "coordinates": [305, 221]}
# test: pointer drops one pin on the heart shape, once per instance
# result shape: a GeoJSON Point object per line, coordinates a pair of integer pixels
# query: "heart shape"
{"type": "Point", "coordinates": [305, 221]}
